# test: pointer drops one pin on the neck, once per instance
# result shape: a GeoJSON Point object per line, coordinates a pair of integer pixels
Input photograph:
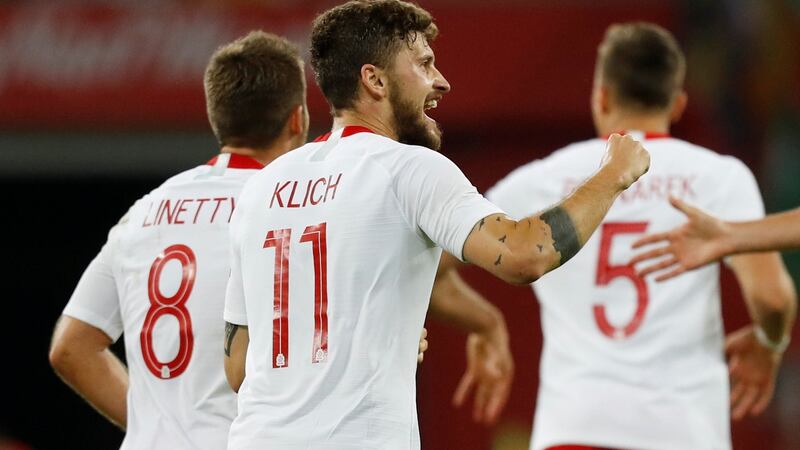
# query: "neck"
{"type": "Point", "coordinates": [626, 121]}
{"type": "Point", "coordinates": [372, 120]}
{"type": "Point", "coordinates": [264, 155]}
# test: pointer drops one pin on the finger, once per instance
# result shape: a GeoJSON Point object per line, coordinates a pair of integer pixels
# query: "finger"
{"type": "Point", "coordinates": [423, 345]}
{"type": "Point", "coordinates": [661, 265]}
{"type": "Point", "coordinates": [737, 390]}
{"type": "Point", "coordinates": [651, 239]}
{"type": "Point", "coordinates": [763, 399]}
{"type": "Point", "coordinates": [733, 366]}
{"type": "Point", "coordinates": [652, 254]}
{"type": "Point", "coordinates": [481, 398]}
{"type": "Point", "coordinates": [672, 274]}
{"type": "Point", "coordinates": [497, 401]}
{"type": "Point", "coordinates": [682, 206]}
{"type": "Point", "coordinates": [745, 403]}
{"type": "Point", "coordinates": [463, 389]}
{"type": "Point", "coordinates": [424, 333]}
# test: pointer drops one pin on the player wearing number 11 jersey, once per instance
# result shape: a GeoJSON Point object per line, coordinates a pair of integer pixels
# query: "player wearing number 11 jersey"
{"type": "Point", "coordinates": [160, 278]}
{"type": "Point", "coordinates": [335, 245]}
{"type": "Point", "coordinates": [628, 363]}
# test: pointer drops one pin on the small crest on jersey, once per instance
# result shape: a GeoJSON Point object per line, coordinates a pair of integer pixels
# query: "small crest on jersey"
{"type": "Point", "coordinates": [280, 360]}
{"type": "Point", "coordinates": [320, 356]}
{"type": "Point", "coordinates": [164, 372]}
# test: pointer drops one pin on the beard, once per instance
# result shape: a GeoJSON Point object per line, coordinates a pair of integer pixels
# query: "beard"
{"type": "Point", "coordinates": [412, 127]}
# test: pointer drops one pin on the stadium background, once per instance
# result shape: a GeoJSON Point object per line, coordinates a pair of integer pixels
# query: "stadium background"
{"type": "Point", "coordinates": [101, 100]}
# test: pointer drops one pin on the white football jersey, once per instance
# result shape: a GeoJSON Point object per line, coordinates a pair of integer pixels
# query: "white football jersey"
{"type": "Point", "coordinates": [335, 247]}
{"type": "Point", "coordinates": [160, 279]}
{"type": "Point", "coordinates": [631, 363]}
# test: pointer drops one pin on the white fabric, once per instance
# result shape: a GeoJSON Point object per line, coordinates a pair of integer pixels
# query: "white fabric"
{"type": "Point", "coordinates": [664, 386]}
{"type": "Point", "coordinates": [393, 207]}
{"type": "Point", "coordinates": [194, 409]}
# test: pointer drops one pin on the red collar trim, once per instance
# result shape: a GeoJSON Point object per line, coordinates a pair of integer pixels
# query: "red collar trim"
{"type": "Point", "coordinates": [647, 135]}
{"type": "Point", "coordinates": [348, 131]}
{"type": "Point", "coordinates": [238, 162]}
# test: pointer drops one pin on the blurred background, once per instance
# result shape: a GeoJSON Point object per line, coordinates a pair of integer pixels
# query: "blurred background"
{"type": "Point", "coordinates": [100, 101]}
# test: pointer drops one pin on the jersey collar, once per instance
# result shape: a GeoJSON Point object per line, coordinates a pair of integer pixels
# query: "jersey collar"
{"type": "Point", "coordinates": [641, 134]}
{"type": "Point", "coordinates": [348, 131]}
{"type": "Point", "coordinates": [238, 162]}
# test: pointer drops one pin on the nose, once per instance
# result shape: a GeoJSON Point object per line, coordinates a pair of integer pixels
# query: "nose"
{"type": "Point", "coordinates": [440, 83]}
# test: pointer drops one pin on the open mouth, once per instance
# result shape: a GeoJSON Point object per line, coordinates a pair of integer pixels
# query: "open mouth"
{"type": "Point", "coordinates": [430, 104]}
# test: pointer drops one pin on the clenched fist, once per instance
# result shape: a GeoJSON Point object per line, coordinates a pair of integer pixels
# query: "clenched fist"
{"type": "Point", "coordinates": [626, 157]}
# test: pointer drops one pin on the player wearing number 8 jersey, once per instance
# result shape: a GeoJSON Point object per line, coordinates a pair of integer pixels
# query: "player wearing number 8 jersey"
{"type": "Point", "coordinates": [627, 363]}
{"type": "Point", "coordinates": [160, 278]}
{"type": "Point", "coordinates": [335, 245]}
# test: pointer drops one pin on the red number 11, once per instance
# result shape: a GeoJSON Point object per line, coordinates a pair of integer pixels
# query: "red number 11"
{"type": "Point", "coordinates": [280, 239]}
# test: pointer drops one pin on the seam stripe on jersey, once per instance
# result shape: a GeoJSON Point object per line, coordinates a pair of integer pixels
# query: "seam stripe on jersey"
{"type": "Point", "coordinates": [238, 162]}
{"type": "Point", "coordinates": [348, 131]}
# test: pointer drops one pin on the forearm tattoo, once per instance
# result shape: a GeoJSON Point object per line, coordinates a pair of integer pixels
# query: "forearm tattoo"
{"type": "Point", "coordinates": [230, 332]}
{"type": "Point", "coordinates": [565, 237]}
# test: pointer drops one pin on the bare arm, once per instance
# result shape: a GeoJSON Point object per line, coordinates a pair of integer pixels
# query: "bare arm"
{"type": "Point", "coordinates": [775, 232]}
{"type": "Point", "coordinates": [771, 301]}
{"type": "Point", "coordinates": [704, 238]}
{"type": "Point", "coordinates": [80, 355]}
{"type": "Point", "coordinates": [522, 251]}
{"type": "Point", "coordinates": [490, 366]}
{"type": "Point", "coordinates": [237, 338]}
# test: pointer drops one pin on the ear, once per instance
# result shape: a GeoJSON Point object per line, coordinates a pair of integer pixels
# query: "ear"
{"type": "Point", "coordinates": [678, 106]}
{"type": "Point", "coordinates": [373, 80]}
{"type": "Point", "coordinates": [296, 120]}
{"type": "Point", "coordinates": [603, 99]}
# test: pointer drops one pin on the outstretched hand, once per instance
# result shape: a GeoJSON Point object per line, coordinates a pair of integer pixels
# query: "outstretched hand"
{"type": "Point", "coordinates": [698, 242]}
{"type": "Point", "coordinates": [490, 371]}
{"type": "Point", "coordinates": [753, 369]}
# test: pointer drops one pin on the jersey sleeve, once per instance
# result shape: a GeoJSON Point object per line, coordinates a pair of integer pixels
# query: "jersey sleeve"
{"type": "Point", "coordinates": [739, 198]}
{"type": "Point", "coordinates": [437, 198]}
{"type": "Point", "coordinates": [235, 311]}
{"type": "Point", "coordinates": [96, 300]}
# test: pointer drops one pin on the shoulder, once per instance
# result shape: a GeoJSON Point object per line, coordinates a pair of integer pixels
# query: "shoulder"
{"type": "Point", "coordinates": [576, 154]}
{"type": "Point", "coordinates": [724, 166]}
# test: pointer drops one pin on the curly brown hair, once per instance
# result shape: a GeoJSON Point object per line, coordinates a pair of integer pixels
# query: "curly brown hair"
{"type": "Point", "coordinates": [252, 85]}
{"type": "Point", "coordinates": [643, 63]}
{"type": "Point", "coordinates": [360, 32]}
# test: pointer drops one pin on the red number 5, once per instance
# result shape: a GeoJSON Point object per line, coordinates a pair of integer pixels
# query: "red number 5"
{"type": "Point", "coordinates": [172, 306]}
{"type": "Point", "coordinates": [606, 272]}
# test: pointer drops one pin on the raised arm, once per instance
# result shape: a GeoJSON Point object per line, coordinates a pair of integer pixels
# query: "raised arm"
{"type": "Point", "coordinates": [490, 366]}
{"type": "Point", "coordinates": [522, 251]}
{"type": "Point", "coordinates": [79, 354]}
{"type": "Point", "coordinates": [754, 352]}
{"type": "Point", "coordinates": [704, 238]}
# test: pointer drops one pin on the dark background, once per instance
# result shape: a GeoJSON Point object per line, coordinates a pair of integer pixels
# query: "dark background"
{"type": "Point", "coordinates": [79, 142]}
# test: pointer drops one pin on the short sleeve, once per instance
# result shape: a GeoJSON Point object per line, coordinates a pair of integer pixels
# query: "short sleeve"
{"type": "Point", "coordinates": [235, 311]}
{"type": "Point", "coordinates": [96, 299]}
{"type": "Point", "coordinates": [739, 198]}
{"type": "Point", "coordinates": [520, 194]}
{"type": "Point", "coordinates": [437, 198]}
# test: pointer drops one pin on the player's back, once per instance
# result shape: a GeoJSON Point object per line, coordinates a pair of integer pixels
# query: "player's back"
{"type": "Point", "coordinates": [622, 353]}
{"type": "Point", "coordinates": [334, 284]}
{"type": "Point", "coordinates": [170, 263]}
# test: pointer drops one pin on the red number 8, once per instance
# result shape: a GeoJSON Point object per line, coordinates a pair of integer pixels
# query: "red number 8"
{"type": "Point", "coordinates": [173, 306]}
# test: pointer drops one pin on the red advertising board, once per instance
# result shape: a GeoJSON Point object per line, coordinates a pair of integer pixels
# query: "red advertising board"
{"type": "Point", "coordinates": [67, 66]}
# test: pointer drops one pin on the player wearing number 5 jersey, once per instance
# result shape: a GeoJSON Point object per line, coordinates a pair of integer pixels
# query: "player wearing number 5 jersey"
{"type": "Point", "coordinates": [160, 278]}
{"type": "Point", "coordinates": [628, 363]}
{"type": "Point", "coordinates": [335, 245]}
